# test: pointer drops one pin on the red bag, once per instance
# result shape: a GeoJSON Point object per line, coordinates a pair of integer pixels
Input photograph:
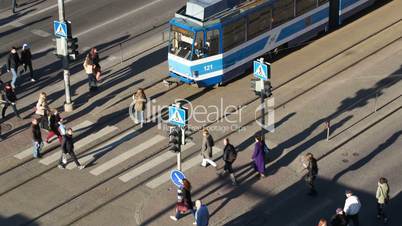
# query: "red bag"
{"type": "Point", "coordinates": [181, 207]}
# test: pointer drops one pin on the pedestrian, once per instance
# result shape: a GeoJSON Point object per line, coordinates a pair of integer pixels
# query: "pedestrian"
{"type": "Point", "coordinates": [382, 196]}
{"type": "Point", "coordinates": [229, 156]}
{"type": "Point", "coordinates": [352, 208]}
{"type": "Point", "coordinates": [9, 99]}
{"type": "Point", "coordinates": [13, 62]}
{"type": "Point", "coordinates": [54, 120]}
{"type": "Point", "coordinates": [95, 60]}
{"type": "Point", "coordinates": [259, 156]}
{"type": "Point", "coordinates": [339, 219]}
{"type": "Point", "coordinates": [36, 139]}
{"type": "Point", "coordinates": [201, 214]}
{"type": "Point", "coordinates": [312, 171]}
{"type": "Point", "coordinates": [140, 100]}
{"type": "Point", "coordinates": [187, 203]}
{"type": "Point", "coordinates": [67, 148]}
{"type": "Point", "coordinates": [42, 110]}
{"type": "Point", "coordinates": [26, 60]}
{"type": "Point", "coordinates": [322, 222]}
{"type": "Point", "coordinates": [89, 70]}
{"type": "Point", "coordinates": [206, 149]}
{"type": "Point", "coordinates": [14, 5]}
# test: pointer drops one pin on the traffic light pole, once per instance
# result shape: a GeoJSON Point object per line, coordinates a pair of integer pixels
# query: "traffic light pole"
{"type": "Point", "coordinates": [262, 98]}
{"type": "Point", "coordinates": [68, 106]}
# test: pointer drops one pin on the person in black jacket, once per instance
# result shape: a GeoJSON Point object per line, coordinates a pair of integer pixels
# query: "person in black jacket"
{"type": "Point", "coordinates": [67, 147]}
{"type": "Point", "coordinates": [339, 219]}
{"type": "Point", "coordinates": [9, 98]}
{"type": "Point", "coordinates": [229, 156]}
{"type": "Point", "coordinates": [36, 138]}
{"type": "Point", "coordinates": [26, 60]}
{"type": "Point", "coordinates": [13, 62]}
{"type": "Point", "coordinates": [312, 171]}
{"type": "Point", "coordinates": [54, 120]}
{"type": "Point", "coordinates": [186, 197]}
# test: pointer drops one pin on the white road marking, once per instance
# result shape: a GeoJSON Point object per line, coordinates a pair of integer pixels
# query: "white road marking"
{"type": "Point", "coordinates": [151, 164]}
{"type": "Point", "coordinates": [126, 155]}
{"type": "Point", "coordinates": [105, 148]}
{"type": "Point", "coordinates": [117, 18]}
{"type": "Point", "coordinates": [40, 11]}
{"type": "Point", "coordinates": [156, 182]}
{"type": "Point", "coordinates": [40, 33]}
{"type": "Point", "coordinates": [84, 141]}
{"type": "Point", "coordinates": [28, 152]}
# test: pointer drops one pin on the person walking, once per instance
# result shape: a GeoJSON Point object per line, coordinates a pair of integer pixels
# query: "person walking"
{"type": "Point", "coordinates": [229, 156]}
{"type": "Point", "coordinates": [9, 98]}
{"type": "Point", "coordinates": [68, 148]}
{"type": "Point", "coordinates": [54, 120]}
{"type": "Point", "coordinates": [312, 171]}
{"type": "Point", "coordinates": [185, 196]}
{"type": "Point", "coordinates": [89, 70]}
{"type": "Point", "coordinates": [14, 5]}
{"type": "Point", "coordinates": [352, 208]}
{"type": "Point", "coordinates": [382, 196]}
{"type": "Point", "coordinates": [258, 157]}
{"type": "Point", "coordinates": [201, 214]}
{"type": "Point", "coordinates": [140, 100]}
{"type": "Point", "coordinates": [206, 149]}
{"type": "Point", "coordinates": [36, 138]}
{"type": "Point", "coordinates": [93, 53]}
{"type": "Point", "coordinates": [26, 60]}
{"type": "Point", "coordinates": [13, 62]}
{"type": "Point", "coordinates": [339, 219]}
{"type": "Point", "coordinates": [42, 109]}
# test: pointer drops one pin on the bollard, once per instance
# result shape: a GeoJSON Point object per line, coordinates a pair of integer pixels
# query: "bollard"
{"type": "Point", "coordinates": [121, 53]}
{"type": "Point", "coordinates": [375, 101]}
{"type": "Point", "coordinates": [328, 126]}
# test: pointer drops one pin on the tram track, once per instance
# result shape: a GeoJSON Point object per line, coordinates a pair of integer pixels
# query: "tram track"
{"type": "Point", "coordinates": [243, 105]}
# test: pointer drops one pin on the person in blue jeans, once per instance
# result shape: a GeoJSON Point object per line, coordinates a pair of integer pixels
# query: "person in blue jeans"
{"type": "Point", "coordinates": [13, 62]}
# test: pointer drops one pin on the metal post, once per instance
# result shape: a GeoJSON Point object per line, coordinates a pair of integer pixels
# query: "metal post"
{"type": "Point", "coordinates": [262, 98]}
{"type": "Point", "coordinates": [68, 107]}
{"type": "Point", "coordinates": [328, 125]}
{"type": "Point", "coordinates": [375, 101]}
{"type": "Point", "coordinates": [121, 53]}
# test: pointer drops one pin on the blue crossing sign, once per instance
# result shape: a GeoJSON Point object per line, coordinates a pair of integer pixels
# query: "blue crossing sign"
{"type": "Point", "coordinates": [261, 70]}
{"type": "Point", "coordinates": [177, 116]}
{"type": "Point", "coordinates": [177, 178]}
{"type": "Point", "coordinates": [60, 29]}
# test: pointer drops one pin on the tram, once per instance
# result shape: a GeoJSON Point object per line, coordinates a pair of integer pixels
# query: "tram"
{"type": "Point", "coordinates": [213, 41]}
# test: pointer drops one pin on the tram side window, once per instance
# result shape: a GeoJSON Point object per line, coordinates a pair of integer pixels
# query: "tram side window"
{"type": "Point", "coordinates": [234, 34]}
{"type": "Point", "coordinates": [259, 22]}
{"type": "Point", "coordinates": [283, 11]}
{"type": "Point", "coordinates": [212, 43]}
{"type": "Point", "coordinates": [322, 2]}
{"type": "Point", "coordinates": [303, 6]}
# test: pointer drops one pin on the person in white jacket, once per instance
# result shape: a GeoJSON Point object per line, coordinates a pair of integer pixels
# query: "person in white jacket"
{"type": "Point", "coordinates": [352, 208]}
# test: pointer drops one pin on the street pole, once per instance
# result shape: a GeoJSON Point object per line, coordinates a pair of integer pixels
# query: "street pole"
{"type": "Point", "coordinates": [68, 106]}
{"type": "Point", "coordinates": [262, 98]}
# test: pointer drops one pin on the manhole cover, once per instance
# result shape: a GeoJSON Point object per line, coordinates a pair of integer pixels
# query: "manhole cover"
{"type": "Point", "coordinates": [5, 127]}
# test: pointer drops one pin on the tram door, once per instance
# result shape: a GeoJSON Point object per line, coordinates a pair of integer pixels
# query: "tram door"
{"type": "Point", "coordinates": [333, 13]}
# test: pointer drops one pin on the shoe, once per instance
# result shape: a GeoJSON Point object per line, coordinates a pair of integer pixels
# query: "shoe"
{"type": "Point", "coordinates": [194, 223]}
{"type": "Point", "coordinates": [60, 167]}
{"type": "Point", "coordinates": [173, 218]}
{"type": "Point", "coordinates": [81, 167]}
{"type": "Point", "coordinates": [33, 80]}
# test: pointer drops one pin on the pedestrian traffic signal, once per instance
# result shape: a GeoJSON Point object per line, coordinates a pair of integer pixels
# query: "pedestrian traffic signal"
{"type": "Point", "coordinates": [187, 135]}
{"type": "Point", "coordinates": [267, 89]}
{"type": "Point", "coordinates": [174, 139]}
{"type": "Point", "coordinates": [72, 46]}
{"type": "Point", "coordinates": [256, 85]}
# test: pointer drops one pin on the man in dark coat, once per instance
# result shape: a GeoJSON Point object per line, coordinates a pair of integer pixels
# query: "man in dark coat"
{"type": "Point", "coordinates": [13, 62]}
{"type": "Point", "coordinates": [229, 156]}
{"type": "Point", "coordinates": [9, 98]}
{"type": "Point", "coordinates": [36, 138]}
{"type": "Point", "coordinates": [68, 148]}
{"type": "Point", "coordinates": [339, 219]}
{"type": "Point", "coordinates": [26, 60]}
{"type": "Point", "coordinates": [202, 214]}
{"type": "Point", "coordinates": [312, 171]}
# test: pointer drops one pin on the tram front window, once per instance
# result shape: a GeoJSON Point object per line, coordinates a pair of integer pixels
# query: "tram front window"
{"type": "Point", "coordinates": [181, 41]}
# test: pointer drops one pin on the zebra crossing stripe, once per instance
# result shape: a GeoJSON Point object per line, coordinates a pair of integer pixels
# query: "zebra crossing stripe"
{"type": "Point", "coordinates": [84, 141]}
{"type": "Point", "coordinates": [151, 164]}
{"type": "Point", "coordinates": [28, 152]}
{"type": "Point", "coordinates": [186, 165]}
{"type": "Point", "coordinates": [126, 155]}
{"type": "Point", "coordinates": [108, 146]}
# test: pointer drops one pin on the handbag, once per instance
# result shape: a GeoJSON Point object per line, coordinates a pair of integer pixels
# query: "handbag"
{"type": "Point", "coordinates": [181, 207]}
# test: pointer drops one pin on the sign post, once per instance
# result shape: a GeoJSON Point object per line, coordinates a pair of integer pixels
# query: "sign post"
{"type": "Point", "coordinates": [262, 72]}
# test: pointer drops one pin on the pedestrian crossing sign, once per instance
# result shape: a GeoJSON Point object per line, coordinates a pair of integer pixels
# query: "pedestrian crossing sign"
{"type": "Point", "coordinates": [261, 70]}
{"type": "Point", "coordinates": [60, 29]}
{"type": "Point", "coordinates": [177, 116]}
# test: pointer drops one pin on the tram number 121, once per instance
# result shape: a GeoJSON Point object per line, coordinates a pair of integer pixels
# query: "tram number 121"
{"type": "Point", "coordinates": [208, 67]}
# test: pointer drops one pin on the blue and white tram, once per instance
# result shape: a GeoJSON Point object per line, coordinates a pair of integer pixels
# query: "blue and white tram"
{"type": "Point", "coordinates": [213, 41]}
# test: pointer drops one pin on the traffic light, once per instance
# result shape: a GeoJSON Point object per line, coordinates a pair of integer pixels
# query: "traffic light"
{"type": "Point", "coordinates": [187, 135]}
{"type": "Point", "coordinates": [72, 47]}
{"type": "Point", "coordinates": [174, 139]}
{"type": "Point", "coordinates": [267, 89]}
{"type": "Point", "coordinates": [256, 85]}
